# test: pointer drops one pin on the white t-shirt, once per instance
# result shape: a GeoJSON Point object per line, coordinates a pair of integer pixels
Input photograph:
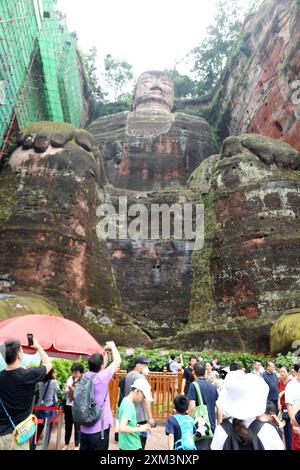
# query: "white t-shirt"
{"type": "Point", "coordinates": [174, 367]}
{"type": "Point", "coordinates": [268, 436]}
{"type": "Point", "coordinates": [69, 384]}
{"type": "Point", "coordinates": [292, 392]}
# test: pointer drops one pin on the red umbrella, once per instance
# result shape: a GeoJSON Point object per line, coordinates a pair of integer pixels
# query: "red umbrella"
{"type": "Point", "coordinates": [58, 336]}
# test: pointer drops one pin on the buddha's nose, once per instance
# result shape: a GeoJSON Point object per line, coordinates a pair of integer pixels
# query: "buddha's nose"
{"type": "Point", "coordinates": [156, 87]}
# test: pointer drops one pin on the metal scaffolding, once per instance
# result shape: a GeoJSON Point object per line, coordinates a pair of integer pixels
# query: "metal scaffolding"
{"type": "Point", "coordinates": [39, 70]}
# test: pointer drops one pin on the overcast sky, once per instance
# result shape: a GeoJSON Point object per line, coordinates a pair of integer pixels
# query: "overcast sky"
{"type": "Point", "coordinates": [150, 35]}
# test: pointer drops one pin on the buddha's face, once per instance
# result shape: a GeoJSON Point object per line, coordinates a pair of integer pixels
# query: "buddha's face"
{"type": "Point", "coordinates": [154, 90]}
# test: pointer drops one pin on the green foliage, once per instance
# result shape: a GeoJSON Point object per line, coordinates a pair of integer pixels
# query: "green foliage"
{"type": "Point", "coordinates": [184, 86]}
{"type": "Point", "coordinates": [209, 58]}
{"type": "Point", "coordinates": [62, 369]}
{"type": "Point", "coordinates": [289, 360]}
{"type": "Point", "coordinates": [91, 86]}
{"type": "Point", "coordinates": [159, 358]}
{"type": "Point", "coordinates": [112, 108]}
{"type": "Point", "coordinates": [117, 75]}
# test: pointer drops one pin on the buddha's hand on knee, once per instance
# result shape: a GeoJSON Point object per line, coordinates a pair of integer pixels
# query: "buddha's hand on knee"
{"type": "Point", "coordinates": [41, 135]}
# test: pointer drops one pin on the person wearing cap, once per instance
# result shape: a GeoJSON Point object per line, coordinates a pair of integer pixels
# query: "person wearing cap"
{"type": "Point", "coordinates": [143, 408]}
{"type": "Point", "coordinates": [129, 430]}
{"type": "Point", "coordinates": [243, 398]}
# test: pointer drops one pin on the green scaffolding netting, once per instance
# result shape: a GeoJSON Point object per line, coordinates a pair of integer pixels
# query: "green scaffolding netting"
{"type": "Point", "coordinates": [39, 71]}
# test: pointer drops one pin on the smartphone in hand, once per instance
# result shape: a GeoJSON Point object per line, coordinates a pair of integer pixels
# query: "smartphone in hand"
{"type": "Point", "coordinates": [30, 339]}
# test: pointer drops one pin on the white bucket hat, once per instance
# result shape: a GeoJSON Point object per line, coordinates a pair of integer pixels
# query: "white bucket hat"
{"type": "Point", "coordinates": [143, 386]}
{"type": "Point", "coordinates": [243, 396]}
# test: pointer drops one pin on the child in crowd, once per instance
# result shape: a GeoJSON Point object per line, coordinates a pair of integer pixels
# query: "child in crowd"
{"type": "Point", "coordinates": [180, 428]}
{"type": "Point", "coordinates": [129, 431]}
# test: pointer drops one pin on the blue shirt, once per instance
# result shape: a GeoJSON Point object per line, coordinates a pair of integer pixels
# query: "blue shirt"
{"type": "Point", "coordinates": [272, 381]}
{"type": "Point", "coordinates": [209, 396]}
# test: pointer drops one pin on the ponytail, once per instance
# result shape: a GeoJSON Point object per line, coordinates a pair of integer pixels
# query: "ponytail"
{"type": "Point", "coordinates": [241, 432]}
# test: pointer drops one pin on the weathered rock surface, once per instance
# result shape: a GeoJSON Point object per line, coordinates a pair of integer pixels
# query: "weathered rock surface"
{"type": "Point", "coordinates": [259, 91]}
{"type": "Point", "coordinates": [152, 151]}
{"type": "Point", "coordinates": [53, 187]}
{"type": "Point", "coordinates": [149, 154]}
{"type": "Point", "coordinates": [142, 291]}
{"type": "Point", "coordinates": [154, 277]}
{"type": "Point", "coordinates": [250, 262]}
{"type": "Point", "coordinates": [48, 241]}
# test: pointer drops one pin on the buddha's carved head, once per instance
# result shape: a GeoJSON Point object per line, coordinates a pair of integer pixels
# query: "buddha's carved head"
{"type": "Point", "coordinates": [154, 91]}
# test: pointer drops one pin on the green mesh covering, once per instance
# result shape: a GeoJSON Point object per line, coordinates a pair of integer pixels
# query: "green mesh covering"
{"type": "Point", "coordinates": [39, 71]}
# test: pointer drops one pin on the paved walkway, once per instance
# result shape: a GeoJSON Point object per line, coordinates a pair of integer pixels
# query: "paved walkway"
{"type": "Point", "coordinates": [157, 440]}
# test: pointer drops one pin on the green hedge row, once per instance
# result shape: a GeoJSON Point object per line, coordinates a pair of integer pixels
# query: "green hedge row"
{"type": "Point", "coordinates": [159, 358]}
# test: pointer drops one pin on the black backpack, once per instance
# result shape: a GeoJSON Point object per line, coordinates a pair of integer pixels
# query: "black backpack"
{"type": "Point", "coordinates": [233, 443]}
{"type": "Point", "coordinates": [85, 410]}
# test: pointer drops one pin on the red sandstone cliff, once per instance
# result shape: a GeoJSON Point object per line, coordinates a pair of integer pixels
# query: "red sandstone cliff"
{"type": "Point", "coordinates": [259, 86]}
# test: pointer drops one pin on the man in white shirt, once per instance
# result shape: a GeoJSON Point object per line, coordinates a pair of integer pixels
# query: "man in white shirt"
{"type": "Point", "coordinates": [292, 398]}
{"type": "Point", "coordinates": [175, 366]}
{"type": "Point", "coordinates": [176, 363]}
{"type": "Point", "coordinates": [258, 368]}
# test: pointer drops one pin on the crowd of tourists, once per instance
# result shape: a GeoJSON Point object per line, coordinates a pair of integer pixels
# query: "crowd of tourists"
{"type": "Point", "coordinates": [217, 407]}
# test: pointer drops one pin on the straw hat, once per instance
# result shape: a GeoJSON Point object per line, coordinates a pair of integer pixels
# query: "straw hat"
{"type": "Point", "coordinates": [243, 396]}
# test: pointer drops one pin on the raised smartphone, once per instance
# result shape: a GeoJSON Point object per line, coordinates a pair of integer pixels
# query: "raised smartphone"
{"type": "Point", "coordinates": [30, 339]}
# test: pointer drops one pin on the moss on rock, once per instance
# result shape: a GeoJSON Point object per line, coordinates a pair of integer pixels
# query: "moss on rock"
{"type": "Point", "coordinates": [105, 326]}
{"type": "Point", "coordinates": [18, 305]}
{"type": "Point", "coordinates": [240, 336]}
{"type": "Point", "coordinates": [48, 128]}
{"type": "Point", "coordinates": [202, 289]}
{"type": "Point", "coordinates": [7, 195]}
{"type": "Point", "coordinates": [285, 331]}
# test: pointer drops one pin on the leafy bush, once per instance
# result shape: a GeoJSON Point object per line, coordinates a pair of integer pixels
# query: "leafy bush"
{"type": "Point", "coordinates": [159, 358]}
{"type": "Point", "coordinates": [105, 109]}
{"type": "Point", "coordinates": [62, 368]}
{"type": "Point", "coordinates": [289, 360]}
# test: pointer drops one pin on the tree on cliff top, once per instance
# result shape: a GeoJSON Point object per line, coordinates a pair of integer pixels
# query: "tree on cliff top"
{"type": "Point", "coordinates": [117, 75]}
{"type": "Point", "coordinates": [209, 58]}
{"type": "Point", "coordinates": [91, 85]}
{"type": "Point", "coordinates": [184, 86]}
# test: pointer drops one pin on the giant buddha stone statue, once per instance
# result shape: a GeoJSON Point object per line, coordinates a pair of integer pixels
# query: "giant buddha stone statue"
{"type": "Point", "coordinates": [144, 291]}
{"type": "Point", "coordinates": [49, 191]}
{"type": "Point", "coordinates": [149, 153]}
{"type": "Point", "coordinates": [150, 147]}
